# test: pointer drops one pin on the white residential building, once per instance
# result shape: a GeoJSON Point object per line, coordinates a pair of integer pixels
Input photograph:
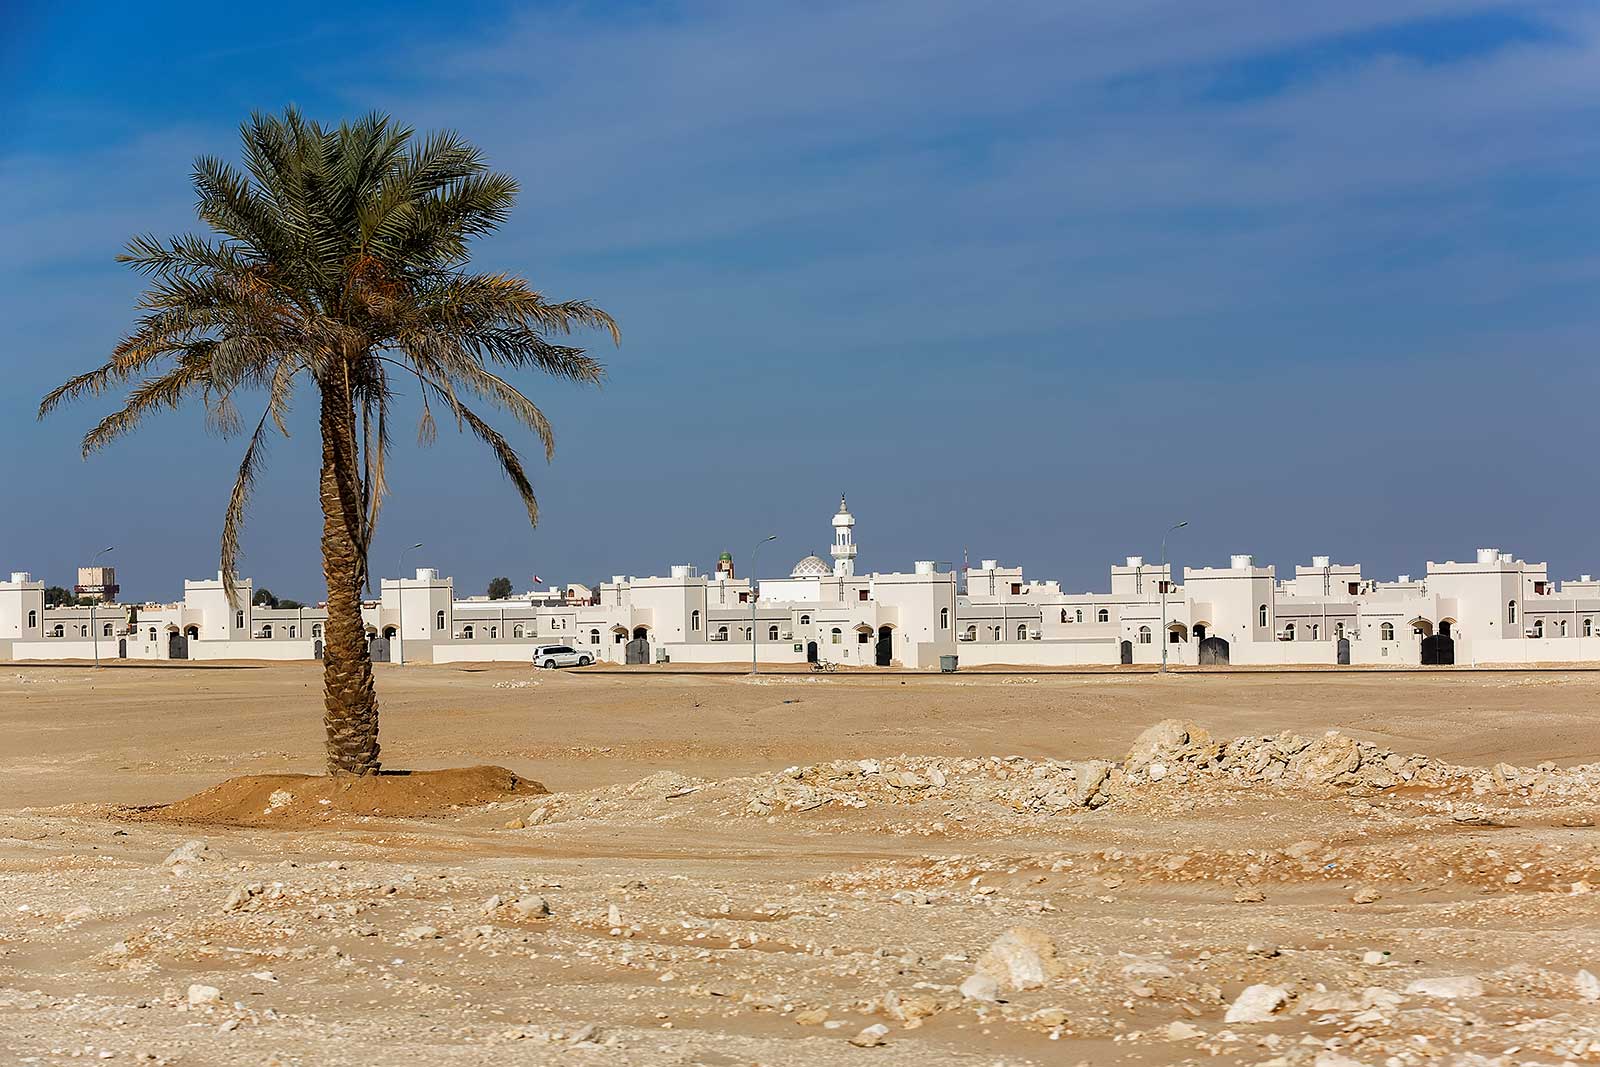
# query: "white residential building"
{"type": "Point", "coordinates": [1495, 609]}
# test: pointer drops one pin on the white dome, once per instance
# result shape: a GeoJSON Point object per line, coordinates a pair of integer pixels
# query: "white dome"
{"type": "Point", "coordinates": [812, 567]}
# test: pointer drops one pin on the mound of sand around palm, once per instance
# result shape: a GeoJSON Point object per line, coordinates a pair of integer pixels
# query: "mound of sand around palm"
{"type": "Point", "coordinates": [295, 801]}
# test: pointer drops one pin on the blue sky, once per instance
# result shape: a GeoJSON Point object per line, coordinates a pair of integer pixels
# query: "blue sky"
{"type": "Point", "coordinates": [1036, 280]}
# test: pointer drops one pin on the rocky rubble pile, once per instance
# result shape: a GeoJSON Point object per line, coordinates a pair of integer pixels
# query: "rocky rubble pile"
{"type": "Point", "coordinates": [1173, 752]}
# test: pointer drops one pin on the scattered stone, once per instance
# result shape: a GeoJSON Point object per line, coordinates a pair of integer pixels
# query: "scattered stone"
{"type": "Point", "coordinates": [981, 987]}
{"type": "Point", "coordinates": [421, 933]}
{"type": "Point", "coordinates": [1587, 986]}
{"type": "Point", "coordinates": [1021, 958]}
{"type": "Point", "coordinates": [1249, 896]}
{"type": "Point", "coordinates": [871, 1037]}
{"type": "Point", "coordinates": [532, 906]}
{"type": "Point", "coordinates": [204, 994]}
{"type": "Point", "coordinates": [1257, 1004]}
{"type": "Point", "coordinates": [1366, 896]}
{"type": "Point", "coordinates": [1179, 1030]}
{"type": "Point", "coordinates": [811, 1017]}
{"type": "Point", "coordinates": [1455, 987]}
{"type": "Point", "coordinates": [188, 855]}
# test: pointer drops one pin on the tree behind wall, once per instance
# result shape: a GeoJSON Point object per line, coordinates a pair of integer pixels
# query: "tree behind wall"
{"type": "Point", "coordinates": [340, 263]}
{"type": "Point", "coordinates": [499, 588]}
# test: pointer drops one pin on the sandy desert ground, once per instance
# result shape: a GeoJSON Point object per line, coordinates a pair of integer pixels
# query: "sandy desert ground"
{"type": "Point", "coordinates": [854, 869]}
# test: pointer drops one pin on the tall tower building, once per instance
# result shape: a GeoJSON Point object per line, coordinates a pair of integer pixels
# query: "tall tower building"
{"type": "Point", "coordinates": [844, 542]}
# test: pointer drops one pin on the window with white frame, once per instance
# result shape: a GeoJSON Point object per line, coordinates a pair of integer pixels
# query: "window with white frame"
{"type": "Point", "coordinates": [467, 631]}
{"type": "Point", "coordinates": [594, 637]}
{"type": "Point", "coordinates": [438, 621]}
{"type": "Point", "coordinates": [316, 629]}
{"type": "Point", "coordinates": [837, 635]}
{"type": "Point", "coordinates": [772, 633]}
{"type": "Point", "coordinates": [1511, 613]}
{"type": "Point", "coordinates": [694, 621]}
{"type": "Point", "coordinates": [1261, 613]}
{"type": "Point", "coordinates": [266, 629]}
{"type": "Point", "coordinates": [805, 620]}
{"type": "Point", "coordinates": [1079, 614]}
{"type": "Point", "coordinates": [1386, 632]}
{"type": "Point", "coordinates": [1144, 635]}
{"type": "Point", "coordinates": [1288, 631]}
{"type": "Point", "coordinates": [238, 620]}
{"type": "Point", "coordinates": [33, 619]}
{"type": "Point", "coordinates": [105, 631]}
{"type": "Point", "coordinates": [944, 618]}
{"type": "Point", "coordinates": [294, 631]}
{"type": "Point", "coordinates": [1104, 615]}
{"type": "Point", "coordinates": [1022, 631]}
{"type": "Point", "coordinates": [516, 629]}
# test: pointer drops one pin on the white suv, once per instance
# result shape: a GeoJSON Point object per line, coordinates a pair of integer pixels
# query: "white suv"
{"type": "Point", "coordinates": [560, 656]}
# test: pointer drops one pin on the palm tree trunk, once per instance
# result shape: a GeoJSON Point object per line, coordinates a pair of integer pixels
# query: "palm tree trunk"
{"type": "Point", "coordinates": [349, 700]}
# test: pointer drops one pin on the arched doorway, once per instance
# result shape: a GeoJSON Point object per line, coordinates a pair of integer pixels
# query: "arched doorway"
{"type": "Point", "coordinates": [1127, 652]}
{"type": "Point", "coordinates": [811, 652]}
{"type": "Point", "coordinates": [637, 651]}
{"type": "Point", "coordinates": [177, 645]}
{"type": "Point", "coordinates": [192, 633]}
{"type": "Point", "coordinates": [316, 648]}
{"type": "Point", "coordinates": [885, 649]}
{"type": "Point", "coordinates": [1199, 631]}
{"type": "Point", "coordinates": [1213, 652]}
{"type": "Point", "coordinates": [1343, 653]}
{"type": "Point", "coordinates": [122, 648]}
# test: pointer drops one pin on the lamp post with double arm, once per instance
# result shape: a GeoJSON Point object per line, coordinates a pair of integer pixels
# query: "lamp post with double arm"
{"type": "Point", "coordinates": [755, 668]}
{"type": "Point", "coordinates": [94, 629]}
{"type": "Point", "coordinates": [1166, 581]}
{"type": "Point", "coordinates": [400, 613]}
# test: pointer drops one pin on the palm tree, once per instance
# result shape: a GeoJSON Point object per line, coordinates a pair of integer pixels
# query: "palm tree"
{"type": "Point", "coordinates": [340, 261]}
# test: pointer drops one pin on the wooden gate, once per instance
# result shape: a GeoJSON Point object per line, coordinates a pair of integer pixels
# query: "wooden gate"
{"type": "Point", "coordinates": [637, 651]}
{"type": "Point", "coordinates": [378, 649]}
{"type": "Point", "coordinates": [177, 646]}
{"type": "Point", "coordinates": [1127, 652]}
{"type": "Point", "coordinates": [1213, 652]}
{"type": "Point", "coordinates": [1344, 652]}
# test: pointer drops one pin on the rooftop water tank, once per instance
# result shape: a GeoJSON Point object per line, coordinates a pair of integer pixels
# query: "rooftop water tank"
{"type": "Point", "coordinates": [21, 576]}
{"type": "Point", "coordinates": [1320, 562]}
{"type": "Point", "coordinates": [680, 570]}
{"type": "Point", "coordinates": [990, 564]}
{"type": "Point", "coordinates": [1488, 555]}
{"type": "Point", "coordinates": [924, 566]}
{"type": "Point", "coordinates": [1241, 561]}
{"type": "Point", "coordinates": [427, 574]}
{"type": "Point", "coordinates": [1136, 561]}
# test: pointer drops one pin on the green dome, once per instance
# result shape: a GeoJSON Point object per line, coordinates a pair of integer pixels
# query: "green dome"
{"type": "Point", "coordinates": [727, 556]}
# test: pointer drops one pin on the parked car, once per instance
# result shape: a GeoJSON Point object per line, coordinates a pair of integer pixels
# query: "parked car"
{"type": "Point", "coordinates": [560, 656]}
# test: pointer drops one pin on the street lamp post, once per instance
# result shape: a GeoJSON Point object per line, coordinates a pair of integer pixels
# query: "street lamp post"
{"type": "Point", "coordinates": [1166, 581]}
{"type": "Point", "coordinates": [400, 625]}
{"type": "Point", "coordinates": [754, 667]}
{"type": "Point", "coordinates": [94, 628]}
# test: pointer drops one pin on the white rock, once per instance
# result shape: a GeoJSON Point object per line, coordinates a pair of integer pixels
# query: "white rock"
{"type": "Point", "coordinates": [532, 906]}
{"type": "Point", "coordinates": [421, 933]}
{"type": "Point", "coordinates": [1375, 958]}
{"type": "Point", "coordinates": [1257, 1004]}
{"type": "Point", "coordinates": [613, 915]}
{"type": "Point", "coordinates": [1454, 987]}
{"type": "Point", "coordinates": [871, 1037]}
{"type": "Point", "coordinates": [189, 852]}
{"type": "Point", "coordinates": [1182, 1031]}
{"type": "Point", "coordinates": [1156, 772]}
{"type": "Point", "coordinates": [981, 987]}
{"type": "Point", "coordinates": [1021, 958]}
{"type": "Point", "coordinates": [280, 798]}
{"type": "Point", "coordinates": [204, 994]}
{"type": "Point", "coordinates": [1588, 987]}
{"type": "Point", "coordinates": [490, 906]}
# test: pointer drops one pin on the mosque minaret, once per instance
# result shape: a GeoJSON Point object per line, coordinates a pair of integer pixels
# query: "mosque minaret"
{"type": "Point", "coordinates": [844, 542]}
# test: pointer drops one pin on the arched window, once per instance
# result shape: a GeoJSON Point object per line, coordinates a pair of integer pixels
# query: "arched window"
{"type": "Point", "coordinates": [266, 629]}
{"type": "Point", "coordinates": [83, 631]}
{"type": "Point", "coordinates": [438, 621]}
{"type": "Point", "coordinates": [294, 631]}
{"type": "Point", "coordinates": [1588, 627]}
{"type": "Point", "coordinates": [1511, 613]}
{"type": "Point", "coordinates": [1104, 615]}
{"type": "Point", "coordinates": [467, 631]}
{"type": "Point", "coordinates": [694, 621]}
{"type": "Point", "coordinates": [516, 630]}
{"type": "Point", "coordinates": [192, 632]}
{"type": "Point", "coordinates": [594, 637]}
{"type": "Point", "coordinates": [805, 620]}
{"type": "Point", "coordinates": [1063, 614]}
{"type": "Point", "coordinates": [58, 631]}
{"type": "Point", "coordinates": [1386, 631]}
{"type": "Point", "coordinates": [772, 633]}
{"type": "Point", "coordinates": [1538, 627]}
{"type": "Point", "coordinates": [944, 618]}
{"type": "Point", "coordinates": [105, 631]}
{"type": "Point", "coordinates": [316, 630]}
{"type": "Point", "coordinates": [238, 620]}
{"type": "Point", "coordinates": [1022, 631]}
{"type": "Point", "coordinates": [972, 632]}
{"type": "Point", "coordinates": [33, 619]}
{"type": "Point", "coordinates": [1262, 614]}
{"type": "Point", "coordinates": [837, 634]}
{"type": "Point", "coordinates": [997, 632]}
{"type": "Point", "coordinates": [1338, 629]}
{"type": "Point", "coordinates": [1561, 626]}
{"type": "Point", "coordinates": [494, 633]}
{"type": "Point", "coordinates": [1288, 631]}
{"type": "Point", "coordinates": [152, 633]}
{"type": "Point", "coordinates": [1080, 615]}
{"type": "Point", "coordinates": [1144, 635]}
{"type": "Point", "coordinates": [722, 633]}
{"type": "Point", "coordinates": [1316, 632]}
